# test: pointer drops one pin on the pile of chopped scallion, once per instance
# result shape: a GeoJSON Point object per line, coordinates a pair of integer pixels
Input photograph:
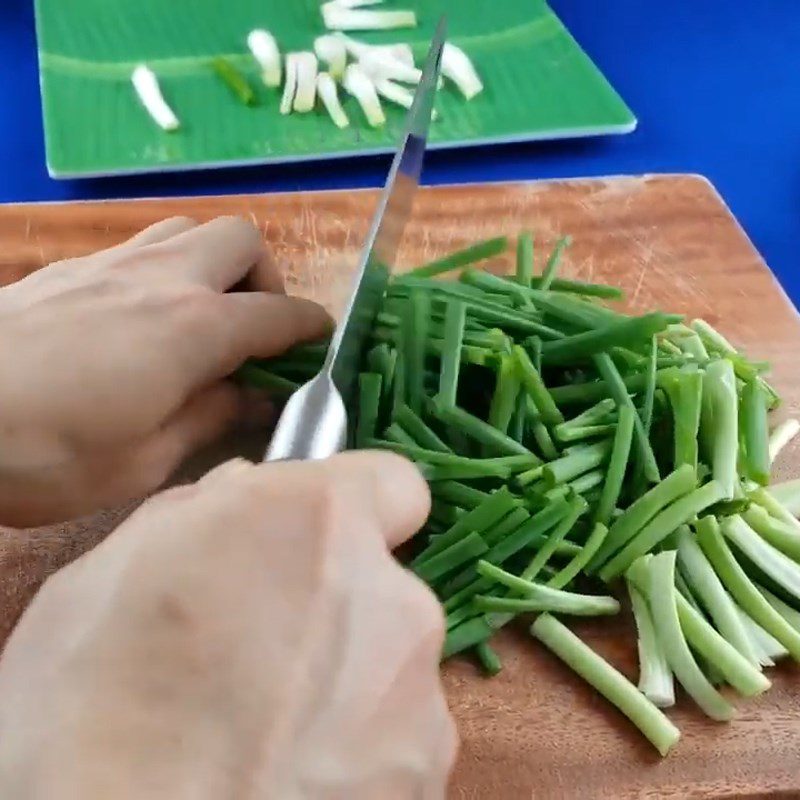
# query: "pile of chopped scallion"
{"type": "Point", "coordinates": [573, 451]}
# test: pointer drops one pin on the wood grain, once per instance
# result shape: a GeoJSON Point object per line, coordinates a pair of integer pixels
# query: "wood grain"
{"type": "Point", "coordinates": [535, 731]}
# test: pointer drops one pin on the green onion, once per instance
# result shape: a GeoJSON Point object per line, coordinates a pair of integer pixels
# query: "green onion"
{"type": "Point", "coordinates": [720, 425]}
{"type": "Point", "coordinates": [613, 685]}
{"type": "Point", "coordinates": [779, 567]}
{"type": "Point", "coordinates": [234, 80]}
{"type": "Point", "coordinates": [619, 392]}
{"type": "Point", "coordinates": [459, 494]}
{"type": "Point", "coordinates": [369, 398]}
{"type": "Point", "coordinates": [462, 258]}
{"type": "Point", "coordinates": [479, 519]}
{"type": "Point", "coordinates": [504, 399]}
{"type": "Point", "coordinates": [662, 525]}
{"type": "Point", "coordinates": [490, 661]}
{"type": "Point", "coordinates": [477, 429]}
{"type": "Point", "coordinates": [570, 571]}
{"type": "Point", "coordinates": [525, 258]}
{"type": "Point", "coordinates": [543, 598]}
{"type": "Point", "coordinates": [742, 588]}
{"type": "Point", "coordinates": [553, 262]}
{"type": "Point", "coordinates": [735, 668]}
{"type": "Point", "coordinates": [780, 535]}
{"type": "Point", "coordinates": [534, 386]}
{"type": "Point", "coordinates": [716, 600]}
{"type": "Point", "coordinates": [655, 675]}
{"type": "Point", "coordinates": [252, 375]}
{"type": "Point", "coordinates": [418, 430]}
{"type": "Point", "coordinates": [685, 391]}
{"type": "Point", "coordinates": [581, 346]}
{"type": "Point", "coordinates": [618, 464]}
{"type": "Point", "coordinates": [454, 322]}
{"type": "Point", "coordinates": [636, 516]}
{"type": "Point", "coordinates": [663, 604]}
{"type": "Point", "coordinates": [577, 507]}
{"type": "Point", "coordinates": [787, 494]}
{"type": "Point", "coordinates": [466, 549]}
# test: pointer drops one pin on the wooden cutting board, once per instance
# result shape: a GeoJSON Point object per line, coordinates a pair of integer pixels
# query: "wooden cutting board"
{"type": "Point", "coordinates": [535, 731]}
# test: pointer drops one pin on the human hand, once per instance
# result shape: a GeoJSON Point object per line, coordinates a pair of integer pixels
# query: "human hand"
{"type": "Point", "coordinates": [112, 366]}
{"type": "Point", "coordinates": [249, 636]}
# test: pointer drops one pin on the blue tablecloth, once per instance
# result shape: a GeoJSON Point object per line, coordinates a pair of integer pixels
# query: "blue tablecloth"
{"type": "Point", "coordinates": [715, 84]}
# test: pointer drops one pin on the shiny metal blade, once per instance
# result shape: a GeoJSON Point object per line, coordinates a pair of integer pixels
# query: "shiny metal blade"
{"type": "Point", "coordinates": [380, 250]}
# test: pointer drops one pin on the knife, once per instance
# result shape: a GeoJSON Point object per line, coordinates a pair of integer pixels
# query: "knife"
{"type": "Point", "coordinates": [314, 422]}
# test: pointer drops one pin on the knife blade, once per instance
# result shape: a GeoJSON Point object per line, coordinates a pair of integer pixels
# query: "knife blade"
{"type": "Point", "coordinates": [314, 422]}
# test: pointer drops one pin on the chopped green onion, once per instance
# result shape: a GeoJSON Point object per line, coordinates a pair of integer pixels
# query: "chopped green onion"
{"type": "Point", "coordinates": [663, 604]}
{"type": "Point", "coordinates": [525, 258]}
{"type": "Point", "coordinates": [462, 258]}
{"type": "Point", "coordinates": [234, 80]}
{"type": "Point", "coordinates": [553, 262]}
{"type": "Point", "coordinates": [742, 588]}
{"type": "Point", "coordinates": [683, 510]}
{"type": "Point", "coordinates": [655, 675]}
{"type": "Point", "coordinates": [489, 659]}
{"type": "Point", "coordinates": [618, 464]}
{"type": "Point", "coordinates": [613, 685]}
{"type": "Point", "coordinates": [369, 398]}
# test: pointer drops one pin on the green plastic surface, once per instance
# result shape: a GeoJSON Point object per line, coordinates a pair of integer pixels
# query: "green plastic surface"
{"type": "Point", "coordinates": [539, 84]}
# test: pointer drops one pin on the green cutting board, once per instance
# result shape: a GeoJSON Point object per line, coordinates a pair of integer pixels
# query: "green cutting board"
{"type": "Point", "coordinates": [539, 84]}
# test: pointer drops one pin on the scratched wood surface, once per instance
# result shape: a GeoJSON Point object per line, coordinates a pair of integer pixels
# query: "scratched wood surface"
{"type": "Point", "coordinates": [535, 731]}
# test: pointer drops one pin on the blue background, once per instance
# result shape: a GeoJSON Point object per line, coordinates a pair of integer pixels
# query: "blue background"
{"type": "Point", "coordinates": [715, 85]}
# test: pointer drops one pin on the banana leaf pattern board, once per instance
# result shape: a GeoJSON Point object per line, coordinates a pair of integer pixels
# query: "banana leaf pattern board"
{"type": "Point", "coordinates": [539, 84]}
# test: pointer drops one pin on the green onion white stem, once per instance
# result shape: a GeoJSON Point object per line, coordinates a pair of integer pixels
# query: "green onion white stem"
{"type": "Point", "coordinates": [341, 16]}
{"type": "Point", "coordinates": [382, 65]}
{"type": "Point", "coordinates": [770, 560]}
{"type": "Point", "coordinates": [264, 47]}
{"type": "Point", "coordinates": [704, 582]}
{"type": "Point", "coordinates": [457, 67]}
{"type": "Point", "coordinates": [655, 675]}
{"type": "Point", "coordinates": [358, 84]}
{"type": "Point", "coordinates": [740, 673]}
{"type": "Point", "coordinates": [147, 87]}
{"type": "Point", "coordinates": [742, 589]}
{"type": "Point", "coordinates": [306, 92]}
{"type": "Point", "coordinates": [357, 49]}
{"type": "Point", "coordinates": [290, 84]}
{"type": "Point", "coordinates": [721, 422]}
{"type": "Point", "coordinates": [331, 51]}
{"type": "Point", "coordinates": [767, 648]}
{"type": "Point", "coordinates": [329, 95]}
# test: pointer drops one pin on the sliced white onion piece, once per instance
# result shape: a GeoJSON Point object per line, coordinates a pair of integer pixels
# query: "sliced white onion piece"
{"type": "Point", "coordinates": [357, 83]}
{"type": "Point", "coordinates": [328, 93]}
{"type": "Point", "coordinates": [357, 49]}
{"type": "Point", "coordinates": [265, 50]}
{"type": "Point", "coordinates": [306, 92]}
{"type": "Point", "coordinates": [380, 65]}
{"type": "Point", "coordinates": [457, 67]}
{"type": "Point", "coordinates": [146, 85]}
{"type": "Point", "coordinates": [290, 84]}
{"type": "Point", "coordinates": [340, 17]}
{"type": "Point", "coordinates": [332, 51]}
